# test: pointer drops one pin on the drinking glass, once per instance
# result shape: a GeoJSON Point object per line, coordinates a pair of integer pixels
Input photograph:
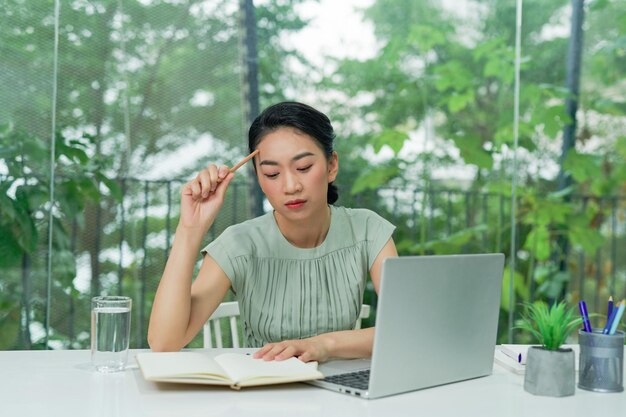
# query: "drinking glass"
{"type": "Point", "coordinates": [110, 332]}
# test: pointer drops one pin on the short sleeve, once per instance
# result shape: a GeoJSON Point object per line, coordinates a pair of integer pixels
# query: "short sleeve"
{"type": "Point", "coordinates": [378, 233]}
{"type": "Point", "coordinates": [220, 250]}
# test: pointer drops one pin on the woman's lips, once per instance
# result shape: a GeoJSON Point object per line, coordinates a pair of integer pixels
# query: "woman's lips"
{"type": "Point", "coordinates": [294, 204]}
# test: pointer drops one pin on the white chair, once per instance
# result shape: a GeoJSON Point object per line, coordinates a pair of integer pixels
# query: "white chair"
{"type": "Point", "coordinates": [230, 310]}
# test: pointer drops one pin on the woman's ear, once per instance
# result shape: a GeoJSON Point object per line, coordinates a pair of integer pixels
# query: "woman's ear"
{"type": "Point", "coordinates": [333, 166]}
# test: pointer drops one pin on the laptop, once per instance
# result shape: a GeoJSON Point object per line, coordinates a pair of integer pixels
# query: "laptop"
{"type": "Point", "coordinates": [436, 323]}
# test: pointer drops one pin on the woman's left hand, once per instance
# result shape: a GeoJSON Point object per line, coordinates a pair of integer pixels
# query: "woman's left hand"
{"type": "Point", "coordinates": [311, 349]}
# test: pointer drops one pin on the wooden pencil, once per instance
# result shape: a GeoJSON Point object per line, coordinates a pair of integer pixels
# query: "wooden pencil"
{"type": "Point", "coordinates": [244, 160]}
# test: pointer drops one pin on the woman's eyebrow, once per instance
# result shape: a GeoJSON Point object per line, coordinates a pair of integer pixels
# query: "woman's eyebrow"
{"type": "Point", "coordinates": [295, 158]}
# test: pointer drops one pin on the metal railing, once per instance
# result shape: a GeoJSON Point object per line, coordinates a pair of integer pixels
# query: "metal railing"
{"type": "Point", "coordinates": [121, 246]}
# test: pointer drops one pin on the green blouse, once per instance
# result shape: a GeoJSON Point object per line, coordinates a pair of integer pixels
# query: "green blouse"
{"type": "Point", "coordinates": [285, 292]}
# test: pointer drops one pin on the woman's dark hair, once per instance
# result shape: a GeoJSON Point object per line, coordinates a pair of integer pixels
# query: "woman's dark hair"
{"type": "Point", "coordinates": [299, 116]}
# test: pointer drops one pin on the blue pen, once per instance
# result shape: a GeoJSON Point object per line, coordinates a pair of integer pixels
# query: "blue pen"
{"type": "Point", "coordinates": [618, 317]}
{"type": "Point", "coordinates": [582, 306]}
{"type": "Point", "coordinates": [609, 309]}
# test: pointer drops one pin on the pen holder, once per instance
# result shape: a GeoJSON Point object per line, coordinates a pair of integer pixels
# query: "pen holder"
{"type": "Point", "coordinates": [601, 361]}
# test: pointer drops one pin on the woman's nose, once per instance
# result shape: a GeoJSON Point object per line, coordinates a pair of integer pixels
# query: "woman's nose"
{"type": "Point", "coordinates": [292, 184]}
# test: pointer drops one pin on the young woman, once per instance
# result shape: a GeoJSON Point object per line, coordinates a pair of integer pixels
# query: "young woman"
{"type": "Point", "coordinates": [298, 272]}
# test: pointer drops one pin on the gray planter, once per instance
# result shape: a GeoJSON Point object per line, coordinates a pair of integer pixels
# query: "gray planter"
{"type": "Point", "coordinates": [550, 373]}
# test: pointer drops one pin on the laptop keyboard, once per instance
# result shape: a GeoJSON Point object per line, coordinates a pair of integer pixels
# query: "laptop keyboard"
{"type": "Point", "coordinates": [357, 379]}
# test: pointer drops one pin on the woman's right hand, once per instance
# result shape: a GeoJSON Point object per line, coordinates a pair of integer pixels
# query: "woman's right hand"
{"type": "Point", "coordinates": [202, 197]}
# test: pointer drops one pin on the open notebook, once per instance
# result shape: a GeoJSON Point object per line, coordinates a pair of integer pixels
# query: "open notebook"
{"type": "Point", "coordinates": [235, 370]}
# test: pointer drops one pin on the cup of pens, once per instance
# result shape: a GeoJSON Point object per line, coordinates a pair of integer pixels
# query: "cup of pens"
{"type": "Point", "coordinates": [601, 360]}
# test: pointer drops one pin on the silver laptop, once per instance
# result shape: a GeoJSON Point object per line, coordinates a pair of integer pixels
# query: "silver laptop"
{"type": "Point", "coordinates": [436, 323]}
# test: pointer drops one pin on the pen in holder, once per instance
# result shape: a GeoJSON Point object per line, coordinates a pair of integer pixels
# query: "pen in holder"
{"type": "Point", "coordinates": [601, 361]}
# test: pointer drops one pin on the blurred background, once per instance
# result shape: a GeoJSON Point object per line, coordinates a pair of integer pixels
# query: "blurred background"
{"type": "Point", "coordinates": [474, 126]}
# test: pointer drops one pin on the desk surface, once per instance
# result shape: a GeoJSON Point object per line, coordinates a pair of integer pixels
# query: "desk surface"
{"type": "Point", "coordinates": [62, 383]}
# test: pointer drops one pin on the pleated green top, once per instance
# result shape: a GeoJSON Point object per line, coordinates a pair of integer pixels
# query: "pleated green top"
{"type": "Point", "coordinates": [285, 292]}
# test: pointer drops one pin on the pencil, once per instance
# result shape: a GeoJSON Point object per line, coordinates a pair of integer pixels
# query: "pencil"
{"type": "Point", "coordinates": [609, 308]}
{"type": "Point", "coordinates": [618, 317]}
{"type": "Point", "coordinates": [244, 160]}
{"type": "Point", "coordinates": [609, 313]}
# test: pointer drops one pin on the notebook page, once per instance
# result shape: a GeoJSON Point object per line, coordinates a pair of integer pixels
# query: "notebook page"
{"type": "Point", "coordinates": [241, 367]}
{"type": "Point", "coordinates": [158, 365]}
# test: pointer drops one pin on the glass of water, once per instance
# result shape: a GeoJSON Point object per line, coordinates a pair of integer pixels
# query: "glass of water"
{"type": "Point", "coordinates": [110, 332]}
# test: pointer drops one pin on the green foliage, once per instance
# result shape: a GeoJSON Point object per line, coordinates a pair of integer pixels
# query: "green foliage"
{"type": "Point", "coordinates": [25, 213]}
{"type": "Point", "coordinates": [393, 138]}
{"type": "Point", "coordinates": [520, 288]}
{"type": "Point", "coordinates": [144, 79]}
{"type": "Point", "coordinates": [9, 325]}
{"type": "Point", "coordinates": [550, 280]}
{"type": "Point", "coordinates": [551, 215]}
{"type": "Point", "coordinates": [472, 151]}
{"type": "Point", "coordinates": [549, 325]}
{"type": "Point", "coordinates": [598, 174]}
{"type": "Point", "coordinates": [432, 71]}
{"type": "Point", "coordinates": [375, 178]}
{"type": "Point", "coordinates": [427, 73]}
{"type": "Point", "coordinates": [451, 244]}
{"type": "Point", "coordinates": [538, 242]}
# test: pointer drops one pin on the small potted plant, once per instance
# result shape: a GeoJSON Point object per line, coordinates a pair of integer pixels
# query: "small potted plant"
{"type": "Point", "coordinates": [550, 369]}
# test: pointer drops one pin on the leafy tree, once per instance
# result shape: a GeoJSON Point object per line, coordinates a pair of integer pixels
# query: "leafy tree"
{"type": "Point", "coordinates": [140, 80]}
{"type": "Point", "coordinates": [434, 69]}
{"type": "Point", "coordinates": [25, 212]}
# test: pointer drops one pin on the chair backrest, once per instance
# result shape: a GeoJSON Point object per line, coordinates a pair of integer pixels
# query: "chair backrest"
{"type": "Point", "coordinates": [230, 310]}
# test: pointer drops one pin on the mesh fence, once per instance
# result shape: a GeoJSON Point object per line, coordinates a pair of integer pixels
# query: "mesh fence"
{"type": "Point", "coordinates": [144, 90]}
{"type": "Point", "coordinates": [139, 94]}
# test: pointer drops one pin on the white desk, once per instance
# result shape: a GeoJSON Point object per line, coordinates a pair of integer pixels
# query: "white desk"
{"type": "Point", "coordinates": [61, 383]}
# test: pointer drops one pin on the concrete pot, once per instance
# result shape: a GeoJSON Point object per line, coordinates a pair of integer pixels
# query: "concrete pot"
{"type": "Point", "coordinates": [550, 372]}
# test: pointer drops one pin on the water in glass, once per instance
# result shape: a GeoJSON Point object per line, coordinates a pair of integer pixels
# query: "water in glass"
{"type": "Point", "coordinates": [110, 335]}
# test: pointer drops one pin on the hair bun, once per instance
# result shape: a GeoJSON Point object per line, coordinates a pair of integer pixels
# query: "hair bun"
{"type": "Point", "coordinates": [333, 193]}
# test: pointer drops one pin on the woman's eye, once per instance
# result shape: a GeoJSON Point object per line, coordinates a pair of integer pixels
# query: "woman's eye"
{"type": "Point", "coordinates": [271, 175]}
{"type": "Point", "coordinates": [305, 169]}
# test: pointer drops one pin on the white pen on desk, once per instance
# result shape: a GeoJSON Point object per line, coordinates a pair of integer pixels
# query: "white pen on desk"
{"type": "Point", "coordinates": [516, 356]}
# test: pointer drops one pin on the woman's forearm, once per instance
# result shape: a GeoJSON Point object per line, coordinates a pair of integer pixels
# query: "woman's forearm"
{"type": "Point", "coordinates": [341, 344]}
{"type": "Point", "coordinates": [171, 310]}
{"type": "Point", "coordinates": [349, 343]}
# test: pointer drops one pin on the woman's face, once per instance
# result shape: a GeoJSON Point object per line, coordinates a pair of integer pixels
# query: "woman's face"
{"type": "Point", "coordinates": [294, 173]}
